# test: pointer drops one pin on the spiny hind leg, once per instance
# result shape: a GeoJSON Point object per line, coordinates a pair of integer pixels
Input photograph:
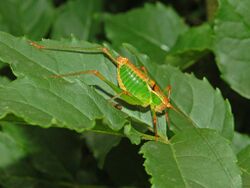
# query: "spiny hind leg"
{"type": "Point", "coordinates": [98, 49]}
{"type": "Point", "coordinates": [93, 72]}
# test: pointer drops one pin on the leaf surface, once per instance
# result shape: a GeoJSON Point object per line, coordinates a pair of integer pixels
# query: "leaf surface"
{"type": "Point", "coordinates": [191, 46]}
{"type": "Point", "coordinates": [100, 145]}
{"type": "Point", "coordinates": [77, 106]}
{"type": "Point", "coordinates": [27, 150]}
{"type": "Point", "coordinates": [244, 163]}
{"type": "Point", "coordinates": [10, 150]}
{"type": "Point", "coordinates": [69, 102]}
{"type": "Point", "coordinates": [240, 141]}
{"type": "Point", "coordinates": [232, 48]}
{"type": "Point", "coordinates": [73, 105]}
{"type": "Point", "coordinates": [77, 18]}
{"type": "Point", "coordinates": [193, 158]}
{"type": "Point", "coordinates": [29, 17]}
{"type": "Point", "coordinates": [153, 29]}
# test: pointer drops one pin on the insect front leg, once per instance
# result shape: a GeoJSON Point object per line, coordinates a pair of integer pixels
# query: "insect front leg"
{"type": "Point", "coordinates": [119, 107]}
{"type": "Point", "coordinates": [118, 95]}
{"type": "Point", "coordinates": [144, 70]}
{"type": "Point", "coordinates": [124, 95]}
{"type": "Point", "coordinates": [168, 89]}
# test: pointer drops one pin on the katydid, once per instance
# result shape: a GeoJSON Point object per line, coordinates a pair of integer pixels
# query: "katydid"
{"type": "Point", "coordinates": [135, 85]}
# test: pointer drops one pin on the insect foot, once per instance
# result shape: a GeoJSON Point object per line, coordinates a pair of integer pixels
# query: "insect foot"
{"type": "Point", "coordinates": [36, 45]}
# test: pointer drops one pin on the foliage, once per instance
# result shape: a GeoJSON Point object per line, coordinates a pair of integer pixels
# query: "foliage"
{"type": "Point", "coordinates": [65, 132]}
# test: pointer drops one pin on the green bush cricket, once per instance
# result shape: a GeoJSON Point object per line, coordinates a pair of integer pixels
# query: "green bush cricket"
{"type": "Point", "coordinates": [135, 85]}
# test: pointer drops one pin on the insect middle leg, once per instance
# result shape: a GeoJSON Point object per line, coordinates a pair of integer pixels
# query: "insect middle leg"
{"type": "Point", "coordinates": [124, 95]}
{"type": "Point", "coordinates": [155, 124]}
{"type": "Point", "coordinates": [168, 89]}
{"type": "Point", "coordinates": [119, 107]}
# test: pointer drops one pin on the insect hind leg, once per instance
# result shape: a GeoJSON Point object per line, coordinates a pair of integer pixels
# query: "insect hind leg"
{"type": "Point", "coordinates": [93, 72]}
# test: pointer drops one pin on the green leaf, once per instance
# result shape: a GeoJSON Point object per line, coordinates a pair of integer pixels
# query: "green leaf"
{"type": "Point", "coordinates": [69, 103]}
{"type": "Point", "coordinates": [199, 101]}
{"type": "Point", "coordinates": [72, 103]}
{"type": "Point", "coordinates": [153, 29]}
{"type": "Point", "coordinates": [134, 133]}
{"type": "Point", "coordinates": [135, 136]}
{"type": "Point", "coordinates": [244, 163]}
{"type": "Point", "coordinates": [45, 162]}
{"type": "Point", "coordinates": [2, 65]}
{"type": "Point", "coordinates": [232, 48]}
{"type": "Point", "coordinates": [46, 149]}
{"type": "Point", "coordinates": [240, 141]}
{"type": "Point", "coordinates": [191, 46]}
{"type": "Point", "coordinates": [193, 158]}
{"type": "Point", "coordinates": [100, 145]}
{"type": "Point", "coordinates": [3, 25]}
{"type": "Point", "coordinates": [4, 81]}
{"type": "Point", "coordinates": [77, 18]}
{"type": "Point", "coordinates": [10, 150]}
{"type": "Point", "coordinates": [203, 106]}
{"type": "Point", "coordinates": [29, 17]}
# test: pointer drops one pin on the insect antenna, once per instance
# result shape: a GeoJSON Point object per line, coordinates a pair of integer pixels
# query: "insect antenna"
{"type": "Point", "coordinates": [178, 111]}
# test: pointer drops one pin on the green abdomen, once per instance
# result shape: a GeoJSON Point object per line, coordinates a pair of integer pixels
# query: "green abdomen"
{"type": "Point", "coordinates": [134, 84]}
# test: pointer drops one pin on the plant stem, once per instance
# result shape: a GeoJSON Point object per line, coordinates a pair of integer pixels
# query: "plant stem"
{"type": "Point", "coordinates": [142, 135]}
{"type": "Point", "coordinates": [152, 138]}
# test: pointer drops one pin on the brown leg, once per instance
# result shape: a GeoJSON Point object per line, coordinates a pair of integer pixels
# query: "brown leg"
{"type": "Point", "coordinates": [155, 125]}
{"type": "Point", "coordinates": [144, 70]}
{"type": "Point", "coordinates": [118, 95]}
{"type": "Point", "coordinates": [109, 55]}
{"type": "Point", "coordinates": [117, 106]}
{"type": "Point", "coordinates": [168, 89]}
{"type": "Point", "coordinates": [94, 72]}
{"type": "Point", "coordinates": [38, 46]}
{"type": "Point", "coordinates": [99, 49]}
